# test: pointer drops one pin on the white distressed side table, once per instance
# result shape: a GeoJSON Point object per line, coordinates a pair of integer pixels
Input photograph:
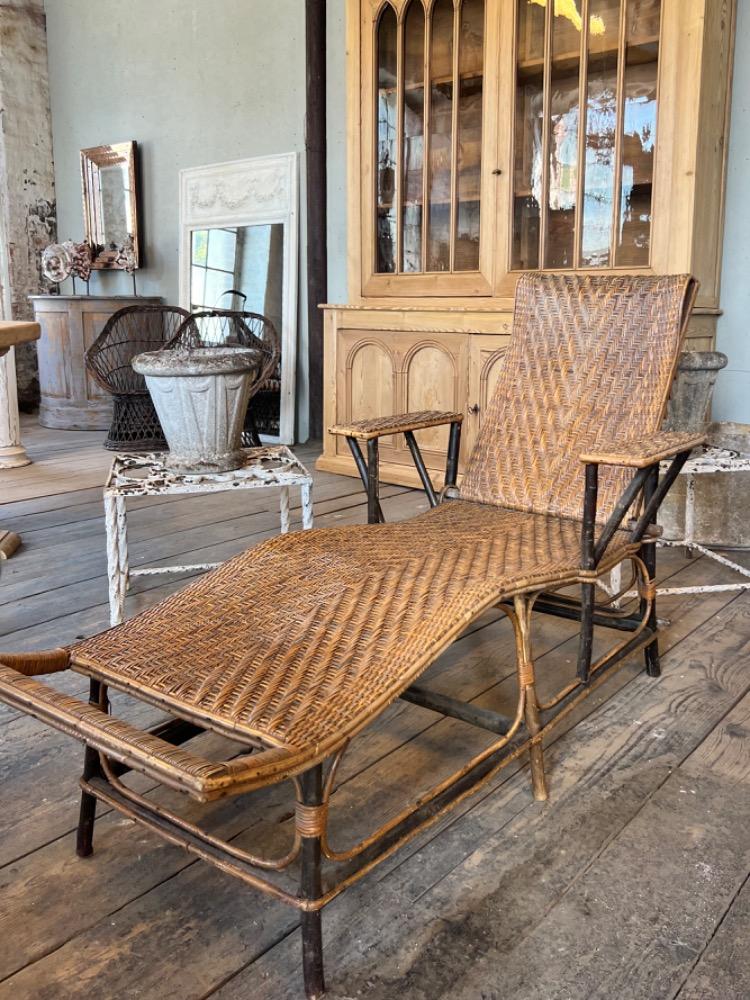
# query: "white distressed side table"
{"type": "Point", "coordinates": [135, 475]}
{"type": "Point", "coordinates": [704, 462]}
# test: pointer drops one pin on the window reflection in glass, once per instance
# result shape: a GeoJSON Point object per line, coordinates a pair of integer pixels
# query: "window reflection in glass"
{"type": "Point", "coordinates": [556, 50]}
{"type": "Point", "coordinates": [638, 133]}
{"type": "Point", "coordinates": [441, 137]}
{"type": "Point", "coordinates": [527, 185]}
{"type": "Point", "coordinates": [563, 142]}
{"type": "Point", "coordinates": [413, 137]}
{"type": "Point", "coordinates": [470, 73]}
{"type": "Point", "coordinates": [387, 141]}
{"type": "Point", "coordinates": [601, 126]}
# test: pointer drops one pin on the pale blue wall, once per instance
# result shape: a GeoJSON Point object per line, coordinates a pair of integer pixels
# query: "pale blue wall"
{"type": "Point", "coordinates": [732, 397]}
{"type": "Point", "coordinates": [194, 82]}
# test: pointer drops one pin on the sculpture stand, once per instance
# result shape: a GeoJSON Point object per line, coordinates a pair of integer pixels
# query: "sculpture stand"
{"type": "Point", "coordinates": [12, 452]}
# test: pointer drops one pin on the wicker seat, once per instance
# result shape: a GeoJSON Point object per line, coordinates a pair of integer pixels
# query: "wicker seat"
{"type": "Point", "coordinates": [127, 333]}
{"type": "Point", "coordinates": [293, 647]}
{"type": "Point", "coordinates": [226, 326]}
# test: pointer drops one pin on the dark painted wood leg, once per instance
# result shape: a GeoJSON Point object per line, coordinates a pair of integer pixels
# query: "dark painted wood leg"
{"type": "Point", "coordinates": [588, 561]}
{"type": "Point", "coordinates": [454, 446]}
{"type": "Point", "coordinates": [91, 768]}
{"type": "Point", "coordinates": [311, 888]}
{"type": "Point", "coordinates": [359, 461]}
{"type": "Point", "coordinates": [648, 555]}
{"type": "Point", "coordinates": [586, 640]}
{"type": "Point", "coordinates": [373, 482]}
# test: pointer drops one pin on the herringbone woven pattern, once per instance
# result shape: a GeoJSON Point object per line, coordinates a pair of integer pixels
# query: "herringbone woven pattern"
{"type": "Point", "coordinates": [302, 640]}
{"type": "Point", "coordinates": [592, 359]}
{"type": "Point", "coordinates": [396, 424]}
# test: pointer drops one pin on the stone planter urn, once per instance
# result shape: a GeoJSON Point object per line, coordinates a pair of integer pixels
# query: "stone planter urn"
{"type": "Point", "coordinates": [690, 404]}
{"type": "Point", "coordinates": [201, 398]}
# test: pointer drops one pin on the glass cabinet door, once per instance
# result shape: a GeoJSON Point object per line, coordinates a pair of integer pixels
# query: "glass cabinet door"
{"type": "Point", "coordinates": [584, 133]}
{"type": "Point", "coordinates": [429, 72]}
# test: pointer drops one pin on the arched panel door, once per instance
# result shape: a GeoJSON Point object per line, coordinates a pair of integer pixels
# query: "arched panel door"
{"type": "Point", "coordinates": [369, 381]}
{"type": "Point", "coordinates": [434, 378]}
{"type": "Point", "coordinates": [487, 355]}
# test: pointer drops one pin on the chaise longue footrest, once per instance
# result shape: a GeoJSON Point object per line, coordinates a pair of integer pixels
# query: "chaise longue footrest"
{"type": "Point", "coordinates": [140, 751]}
{"type": "Point", "coordinates": [399, 423]}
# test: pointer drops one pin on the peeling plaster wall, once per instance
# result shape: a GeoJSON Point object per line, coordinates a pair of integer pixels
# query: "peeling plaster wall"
{"type": "Point", "coordinates": [27, 186]}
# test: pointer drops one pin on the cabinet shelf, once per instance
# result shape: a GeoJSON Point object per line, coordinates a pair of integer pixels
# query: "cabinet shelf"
{"type": "Point", "coordinates": [640, 50]}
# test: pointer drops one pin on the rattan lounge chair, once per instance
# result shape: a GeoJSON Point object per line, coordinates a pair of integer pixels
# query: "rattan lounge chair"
{"type": "Point", "coordinates": [293, 647]}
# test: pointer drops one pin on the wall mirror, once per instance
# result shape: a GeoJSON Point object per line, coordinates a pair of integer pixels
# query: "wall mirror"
{"type": "Point", "coordinates": [110, 210]}
{"type": "Point", "coordinates": [238, 250]}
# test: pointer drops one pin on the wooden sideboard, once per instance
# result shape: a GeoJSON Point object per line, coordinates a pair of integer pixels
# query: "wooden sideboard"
{"type": "Point", "coordinates": [491, 137]}
{"type": "Point", "coordinates": [70, 398]}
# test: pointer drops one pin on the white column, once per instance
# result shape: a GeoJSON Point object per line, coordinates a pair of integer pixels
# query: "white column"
{"type": "Point", "coordinates": [12, 453]}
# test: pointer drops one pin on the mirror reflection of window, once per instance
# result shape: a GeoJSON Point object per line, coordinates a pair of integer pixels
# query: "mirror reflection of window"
{"type": "Point", "coordinates": [242, 268]}
{"type": "Point", "coordinates": [114, 195]}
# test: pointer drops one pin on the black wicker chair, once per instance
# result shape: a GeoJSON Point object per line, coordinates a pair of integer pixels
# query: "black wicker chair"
{"type": "Point", "coordinates": [218, 327]}
{"type": "Point", "coordinates": [128, 332]}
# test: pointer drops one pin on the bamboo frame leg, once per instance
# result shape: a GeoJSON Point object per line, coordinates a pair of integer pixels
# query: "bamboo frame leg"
{"type": "Point", "coordinates": [91, 769]}
{"type": "Point", "coordinates": [648, 555]}
{"type": "Point", "coordinates": [311, 786]}
{"type": "Point", "coordinates": [527, 690]}
{"type": "Point", "coordinates": [284, 509]}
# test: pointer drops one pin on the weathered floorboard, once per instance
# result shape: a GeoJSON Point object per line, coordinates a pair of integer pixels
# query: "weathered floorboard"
{"type": "Point", "coordinates": [479, 905]}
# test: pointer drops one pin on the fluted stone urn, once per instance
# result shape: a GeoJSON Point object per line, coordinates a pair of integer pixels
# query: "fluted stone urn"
{"type": "Point", "coordinates": [201, 398]}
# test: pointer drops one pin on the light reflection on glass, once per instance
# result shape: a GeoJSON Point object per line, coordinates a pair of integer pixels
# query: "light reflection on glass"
{"type": "Point", "coordinates": [387, 110]}
{"type": "Point", "coordinates": [441, 137]}
{"type": "Point", "coordinates": [631, 236]}
{"type": "Point", "coordinates": [413, 137]}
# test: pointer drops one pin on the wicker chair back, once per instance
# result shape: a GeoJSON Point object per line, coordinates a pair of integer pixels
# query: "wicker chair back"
{"type": "Point", "coordinates": [592, 358]}
{"type": "Point", "coordinates": [127, 333]}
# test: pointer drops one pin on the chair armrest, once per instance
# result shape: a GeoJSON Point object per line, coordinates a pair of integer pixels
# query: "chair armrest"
{"type": "Point", "coordinates": [365, 430]}
{"type": "Point", "coordinates": [638, 453]}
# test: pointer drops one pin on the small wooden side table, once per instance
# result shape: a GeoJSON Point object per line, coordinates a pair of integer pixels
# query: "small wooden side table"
{"type": "Point", "coordinates": [134, 475]}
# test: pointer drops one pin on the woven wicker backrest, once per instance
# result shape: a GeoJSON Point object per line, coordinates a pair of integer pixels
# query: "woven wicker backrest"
{"type": "Point", "coordinates": [591, 358]}
{"type": "Point", "coordinates": [216, 327]}
{"type": "Point", "coordinates": [127, 333]}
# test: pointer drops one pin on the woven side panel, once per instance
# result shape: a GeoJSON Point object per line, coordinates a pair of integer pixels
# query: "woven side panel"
{"type": "Point", "coordinates": [592, 359]}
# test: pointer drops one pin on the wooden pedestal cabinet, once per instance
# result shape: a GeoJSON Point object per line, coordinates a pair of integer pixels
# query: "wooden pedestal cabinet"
{"type": "Point", "coordinates": [492, 137]}
{"type": "Point", "coordinates": [70, 398]}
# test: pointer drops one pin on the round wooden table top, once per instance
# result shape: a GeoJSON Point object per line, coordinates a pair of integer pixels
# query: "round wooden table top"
{"type": "Point", "coordinates": [16, 332]}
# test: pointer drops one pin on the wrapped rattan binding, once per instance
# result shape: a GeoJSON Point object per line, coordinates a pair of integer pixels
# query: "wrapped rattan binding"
{"type": "Point", "coordinates": [48, 661]}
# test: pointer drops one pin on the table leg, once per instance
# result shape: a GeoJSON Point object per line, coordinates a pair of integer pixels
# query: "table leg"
{"type": "Point", "coordinates": [307, 506]}
{"type": "Point", "coordinates": [122, 541]}
{"type": "Point", "coordinates": [284, 499]}
{"type": "Point", "coordinates": [689, 515]}
{"type": "Point", "coordinates": [115, 575]}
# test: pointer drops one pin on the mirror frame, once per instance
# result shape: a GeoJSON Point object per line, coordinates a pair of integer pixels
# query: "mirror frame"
{"type": "Point", "coordinates": [92, 160]}
{"type": "Point", "coordinates": [256, 192]}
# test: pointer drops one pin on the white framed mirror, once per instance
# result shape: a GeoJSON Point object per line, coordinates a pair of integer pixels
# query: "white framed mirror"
{"type": "Point", "coordinates": [238, 250]}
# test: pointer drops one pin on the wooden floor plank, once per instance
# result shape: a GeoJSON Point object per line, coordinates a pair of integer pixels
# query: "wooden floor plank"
{"type": "Point", "coordinates": [465, 937]}
{"type": "Point", "coordinates": [723, 970]}
{"type": "Point", "coordinates": [476, 906]}
{"type": "Point", "coordinates": [138, 918]}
